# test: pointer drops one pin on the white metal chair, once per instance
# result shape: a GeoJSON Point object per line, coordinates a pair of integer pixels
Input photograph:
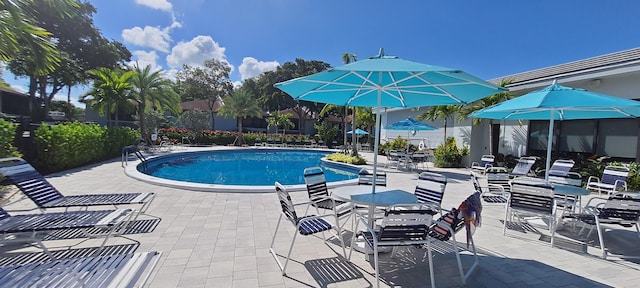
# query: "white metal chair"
{"type": "Point", "coordinates": [613, 178]}
{"type": "Point", "coordinates": [365, 177]}
{"type": "Point", "coordinates": [402, 225]}
{"type": "Point", "coordinates": [523, 168]}
{"type": "Point", "coordinates": [393, 158]}
{"type": "Point", "coordinates": [430, 188]}
{"type": "Point", "coordinates": [531, 198]}
{"type": "Point", "coordinates": [486, 161]}
{"type": "Point", "coordinates": [305, 225]}
{"type": "Point", "coordinates": [498, 186]}
{"type": "Point", "coordinates": [621, 209]}
{"type": "Point", "coordinates": [319, 193]}
{"type": "Point", "coordinates": [560, 173]}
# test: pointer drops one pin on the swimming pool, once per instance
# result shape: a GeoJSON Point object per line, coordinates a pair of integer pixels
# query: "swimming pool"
{"type": "Point", "coordinates": [251, 170]}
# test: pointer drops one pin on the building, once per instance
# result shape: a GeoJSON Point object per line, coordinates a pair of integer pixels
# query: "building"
{"type": "Point", "coordinates": [614, 74]}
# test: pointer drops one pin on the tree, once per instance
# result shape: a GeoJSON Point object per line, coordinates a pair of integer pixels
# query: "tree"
{"type": "Point", "coordinates": [80, 47]}
{"type": "Point", "coordinates": [210, 83]}
{"type": "Point", "coordinates": [346, 59]}
{"type": "Point", "coordinates": [337, 111]}
{"type": "Point", "coordinates": [240, 105]}
{"type": "Point", "coordinates": [111, 91]}
{"type": "Point", "coordinates": [441, 112]}
{"type": "Point", "coordinates": [494, 99]}
{"type": "Point", "coordinates": [195, 120]}
{"type": "Point", "coordinates": [278, 120]}
{"type": "Point", "coordinates": [150, 88]}
{"type": "Point", "coordinates": [20, 30]}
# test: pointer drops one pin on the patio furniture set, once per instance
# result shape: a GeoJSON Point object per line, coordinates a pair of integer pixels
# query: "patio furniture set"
{"type": "Point", "coordinates": [391, 218]}
{"type": "Point", "coordinates": [559, 197]}
{"type": "Point", "coordinates": [59, 213]}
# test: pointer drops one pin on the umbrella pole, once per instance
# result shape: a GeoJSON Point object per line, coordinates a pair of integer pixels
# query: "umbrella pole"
{"type": "Point", "coordinates": [549, 144]}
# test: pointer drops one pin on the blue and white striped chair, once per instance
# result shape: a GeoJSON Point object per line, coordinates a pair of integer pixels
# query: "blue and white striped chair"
{"type": "Point", "coordinates": [305, 225]}
{"type": "Point", "coordinates": [430, 188]}
{"type": "Point", "coordinates": [613, 178]}
{"type": "Point", "coordinates": [486, 161]}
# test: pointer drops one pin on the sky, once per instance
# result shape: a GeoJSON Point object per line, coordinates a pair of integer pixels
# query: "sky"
{"type": "Point", "coordinates": [489, 39]}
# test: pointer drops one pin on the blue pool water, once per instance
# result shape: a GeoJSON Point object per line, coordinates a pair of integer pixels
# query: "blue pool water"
{"type": "Point", "coordinates": [243, 167]}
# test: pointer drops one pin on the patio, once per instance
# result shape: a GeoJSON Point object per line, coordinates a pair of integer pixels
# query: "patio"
{"type": "Point", "coordinates": [222, 240]}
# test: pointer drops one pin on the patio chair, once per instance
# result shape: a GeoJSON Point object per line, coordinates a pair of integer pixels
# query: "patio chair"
{"type": "Point", "coordinates": [523, 167]}
{"type": "Point", "coordinates": [486, 161]}
{"type": "Point", "coordinates": [531, 198]}
{"type": "Point", "coordinates": [613, 178]}
{"type": "Point", "coordinates": [125, 270]}
{"type": "Point", "coordinates": [560, 173]}
{"type": "Point", "coordinates": [319, 193]}
{"type": "Point", "coordinates": [31, 228]}
{"type": "Point", "coordinates": [445, 228]}
{"type": "Point", "coordinates": [498, 186]}
{"type": "Point", "coordinates": [393, 158]}
{"type": "Point", "coordinates": [20, 173]}
{"type": "Point", "coordinates": [365, 177]}
{"type": "Point", "coordinates": [258, 142]}
{"type": "Point", "coordinates": [305, 225]}
{"type": "Point", "coordinates": [402, 225]}
{"type": "Point", "coordinates": [621, 208]}
{"type": "Point", "coordinates": [420, 158]}
{"type": "Point", "coordinates": [430, 188]}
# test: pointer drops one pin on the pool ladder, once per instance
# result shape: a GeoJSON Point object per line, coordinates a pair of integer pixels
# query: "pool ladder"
{"type": "Point", "coordinates": [126, 151]}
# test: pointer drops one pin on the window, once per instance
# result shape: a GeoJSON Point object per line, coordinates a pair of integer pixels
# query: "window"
{"type": "Point", "coordinates": [618, 138]}
{"type": "Point", "coordinates": [577, 136]}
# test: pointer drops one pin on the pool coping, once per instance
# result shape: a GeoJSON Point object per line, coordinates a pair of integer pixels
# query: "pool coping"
{"type": "Point", "coordinates": [131, 170]}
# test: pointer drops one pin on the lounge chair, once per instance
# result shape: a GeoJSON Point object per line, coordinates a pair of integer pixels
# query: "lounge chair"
{"type": "Point", "coordinates": [560, 173]}
{"type": "Point", "coordinates": [613, 178]}
{"type": "Point", "coordinates": [365, 177]}
{"type": "Point", "coordinates": [20, 173]}
{"type": "Point", "coordinates": [523, 167]}
{"type": "Point", "coordinates": [31, 228]}
{"type": "Point", "coordinates": [125, 270]}
{"type": "Point", "coordinates": [486, 161]}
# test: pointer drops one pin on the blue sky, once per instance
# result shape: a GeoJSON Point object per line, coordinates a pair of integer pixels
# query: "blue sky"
{"type": "Point", "coordinates": [490, 39]}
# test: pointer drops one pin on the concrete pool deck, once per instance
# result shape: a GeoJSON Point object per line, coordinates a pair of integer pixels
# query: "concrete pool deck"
{"type": "Point", "coordinates": [213, 239]}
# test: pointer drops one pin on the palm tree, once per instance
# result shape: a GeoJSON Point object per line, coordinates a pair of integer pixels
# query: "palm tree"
{"type": "Point", "coordinates": [346, 59]}
{"type": "Point", "coordinates": [240, 105]}
{"type": "Point", "coordinates": [332, 107]}
{"type": "Point", "coordinates": [18, 29]}
{"type": "Point", "coordinates": [110, 91]}
{"type": "Point", "coordinates": [484, 103]}
{"type": "Point", "coordinates": [151, 88]}
{"type": "Point", "coordinates": [441, 112]}
{"type": "Point", "coordinates": [278, 120]}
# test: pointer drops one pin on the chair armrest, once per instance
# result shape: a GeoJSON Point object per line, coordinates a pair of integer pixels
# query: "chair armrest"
{"type": "Point", "coordinates": [618, 182]}
{"type": "Point", "coordinates": [593, 179]}
{"type": "Point", "coordinates": [473, 164]}
{"type": "Point", "coordinates": [594, 198]}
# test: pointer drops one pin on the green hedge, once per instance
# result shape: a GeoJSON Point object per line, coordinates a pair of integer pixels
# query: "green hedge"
{"type": "Point", "coordinates": [7, 135]}
{"type": "Point", "coordinates": [224, 138]}
{"type": "Point", "coordinates": [75, 144]}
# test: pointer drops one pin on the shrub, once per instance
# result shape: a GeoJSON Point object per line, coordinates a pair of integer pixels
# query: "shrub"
{"type": "Point", "coordinates": [349, 159]}
{"type": "Point", "coordinates": [7, 135]}
{"type": "Point", "coordinates": [633, 181]}
{"type": "Point", "coordinates": [448, 154]}
{"type": "Point", "coordinates": [74, 144]}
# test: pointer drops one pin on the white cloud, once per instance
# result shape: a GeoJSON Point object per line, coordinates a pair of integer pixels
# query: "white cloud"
{"type": "Point", "coordinates": [163, 5]}
{"type": "Point", "coordinates": [251, 67]}
{"type": "Point", "coordinates": [144, 58]}
{"type": "Point", "coordinates": [195, 52]}
{"type": "Point", "coordinates": [237, 84]}
{"type": "Point", "coordinates": [152, 37]}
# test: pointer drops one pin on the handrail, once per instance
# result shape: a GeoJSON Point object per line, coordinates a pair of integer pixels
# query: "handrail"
{"type": "Point", "coordinates": [126, 151]}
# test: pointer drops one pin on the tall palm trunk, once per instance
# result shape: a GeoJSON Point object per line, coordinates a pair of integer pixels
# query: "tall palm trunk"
{"type": "Point", "coordinates": [353, 133]}
{"type": "Point", "coordinates": [344, 124]}
{"type": "Point", "coordinates": [240, 138]}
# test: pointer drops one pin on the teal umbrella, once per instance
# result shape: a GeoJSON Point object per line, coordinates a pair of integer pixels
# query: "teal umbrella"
{"type": "Point", "coordinates": [358, 132]}
{"type": "Point", "coordinates": [409, 125]}
{"type": "Point", "coordinates": [558, 102]}
{"type": "Point", "coordinates": [388, 81]}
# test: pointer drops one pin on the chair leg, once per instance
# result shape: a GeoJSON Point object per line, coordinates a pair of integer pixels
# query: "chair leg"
{"type": "Point", "coordinates": [506, 216]}
{"type": "Point", "coordinates": [375, 257]}
{"type": "Point", "coordinates": [272, 249]}
{"type": "Point", "coordinates": [432, 275]}
{"type": "Point", "coordinates": [601, 238]}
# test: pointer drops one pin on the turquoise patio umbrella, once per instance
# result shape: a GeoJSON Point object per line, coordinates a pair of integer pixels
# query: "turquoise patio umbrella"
{"type": "Point", "coordinates": [359, 132]}
{"type": "Point", "coordinates": [557, 102]}
{"type": "Point", "coordinates": [388, 81]}
{"type": "Point", "coordinates": [409, 125]}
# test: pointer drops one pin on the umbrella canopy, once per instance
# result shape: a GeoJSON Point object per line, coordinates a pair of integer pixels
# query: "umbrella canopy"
{"type": "Point", "coordinates": [557, 102]}
{"type": "Point", "coordinates": [410, 124]}
{"type": "Point", "coordinates": [387, 81]}
{"type": "Point", "coordinates": [358, 132]}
